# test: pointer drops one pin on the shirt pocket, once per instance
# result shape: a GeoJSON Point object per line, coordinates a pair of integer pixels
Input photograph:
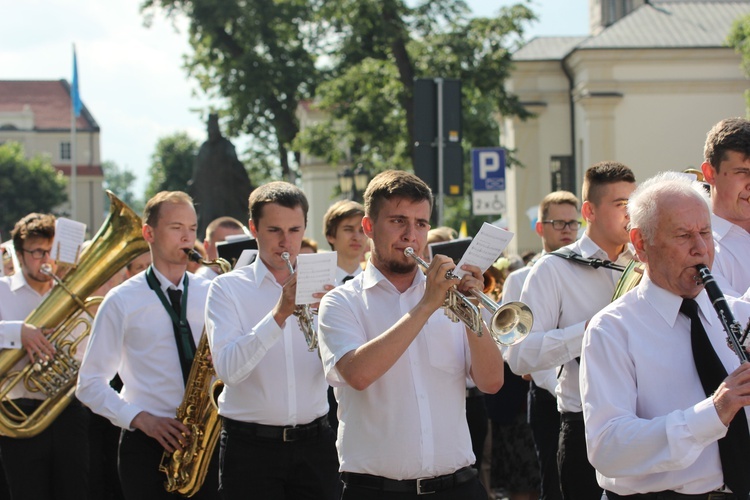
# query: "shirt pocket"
{"type": "Point", "coordinates": [445, 343]}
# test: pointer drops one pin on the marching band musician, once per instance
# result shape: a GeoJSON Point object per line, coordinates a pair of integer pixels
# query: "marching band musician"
{"type": "Point", "coordinates": [146, 330]}
{"type": "Point", "coordinates": [55, 463]}
{"type": "Point", "coordinates": [276, 442]}
{"type": "Point", "coordinates": [343, 228]}
{"type": "Point", "coordinates": [398, 364]}
{"type": "Point", "coordinates": [564, 294]}
{"type": "Point", "coordinates": [726, 167]}
{"type": "Point", "coordinates": [656, 410]}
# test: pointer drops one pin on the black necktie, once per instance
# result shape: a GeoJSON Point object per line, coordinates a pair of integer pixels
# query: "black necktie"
{"type": "Point", "coordinates": [183, 335]}
{"type": "Point", "coordinates": [733, 448]}
{"type": "Point", "coordinates": [347, 278]}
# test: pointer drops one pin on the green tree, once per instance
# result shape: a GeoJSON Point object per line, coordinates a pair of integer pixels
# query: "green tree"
{"type": "Point", "coordinates": [120, 181]}
{"type": "Point", "coordinates": [257, 55]}
{"type": "Point", "coordinates": [172, 164]}
{"type": "Point", "coordinates": [27, 185]}
{"type": "Point", "coordinates": [739, 39]}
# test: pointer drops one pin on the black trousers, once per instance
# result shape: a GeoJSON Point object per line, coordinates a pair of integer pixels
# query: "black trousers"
{"type": "Point", "coordinates": [544, 420]}
{"type": "Point", "coordinates": [471, 490]}
{"type": "Point", "coordinates": [267, 469]}
{"type": "Point", "coordinates": [577, 476]}
{"type": "Point", "coordinates": [54, 465]}
{"type": "Point", "coordinates": [138, 464]}
{"type": "Point", "coordinates": [104, 438]}
{"type": "Point", "coordinates": [476, 418]}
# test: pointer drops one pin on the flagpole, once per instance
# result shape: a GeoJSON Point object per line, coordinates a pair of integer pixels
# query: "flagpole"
{"type": "Point", "coordinates": [73, 166]}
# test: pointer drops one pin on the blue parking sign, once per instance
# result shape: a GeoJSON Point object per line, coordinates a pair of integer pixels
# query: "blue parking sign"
{"type": "Point", "coordinates": [488, 169]}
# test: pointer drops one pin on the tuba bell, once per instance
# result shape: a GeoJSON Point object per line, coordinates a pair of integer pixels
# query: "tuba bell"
{"type": "Point", "coordinates": [116, 243]}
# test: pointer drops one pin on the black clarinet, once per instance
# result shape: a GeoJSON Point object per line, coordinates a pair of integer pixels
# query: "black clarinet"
{"type": "Point", "coordinates": [735, 336]}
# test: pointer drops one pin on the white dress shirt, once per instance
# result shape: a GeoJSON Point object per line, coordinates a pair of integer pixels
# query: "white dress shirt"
{"type": "Point", "coordinates": [341, 274]}
{"type": "Point", "coordinates": [271, 378]}
{"type": "Point", "coordinates": [133, 335]}
{"type": "Point", "coordinates": [649, 425]}
{"type": "Point", "coordinates": [17, 301]}
{"type": "Point", "coordinates": [410, 423]}
{"type": "Point", "coordinates": [512, 288]}
{"type": "Point", "coordinates": [563, 295]}
{"type": "Point", "coordinates": [206, 272]}
{"type": "Point", "coordinates": [730, 267]}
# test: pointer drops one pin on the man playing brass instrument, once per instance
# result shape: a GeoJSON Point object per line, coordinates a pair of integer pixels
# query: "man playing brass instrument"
{"type": "Point", "coordinates": [146, 331]}
{"type": "Point", "coordinates": [276, 442]}
{"type": "Point", "coordinates": [656, 426]}
{"type": "Point", "coordinates": [398, 364]}
{"type": "Point", "coordinates": [55, 463]}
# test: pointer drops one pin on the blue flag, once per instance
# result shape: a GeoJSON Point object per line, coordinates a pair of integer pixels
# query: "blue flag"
{"type": "Point", "coordinates": [74, 95]}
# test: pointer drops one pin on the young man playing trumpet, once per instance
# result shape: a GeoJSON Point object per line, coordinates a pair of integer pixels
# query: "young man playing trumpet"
{"type": "Point", "coordinates": [398, 364]}
{"type": "Point", "coordinates": [276, 443]}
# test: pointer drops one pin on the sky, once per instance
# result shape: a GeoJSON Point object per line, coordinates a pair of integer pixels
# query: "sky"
{"type": "Point", "coordinates": [131, 77]}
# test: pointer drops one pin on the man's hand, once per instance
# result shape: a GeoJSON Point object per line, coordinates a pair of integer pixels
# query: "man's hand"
{"type": "Point", "coordinates": [169, 432]}
{"type": "Point", "coordinates": [286, 303]}
{"type": "Point", "coordinates": [733, 394]}
{"type": "Point", "coordinates": [437, 282]}
{"type": "Point", "coordinates": [34, 340]}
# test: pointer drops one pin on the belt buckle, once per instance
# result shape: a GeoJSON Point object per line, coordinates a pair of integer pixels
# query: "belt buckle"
{"type": "Point", "coordinates": [287, 437]}
{"type": "Point", "coordinates": [419, 487]}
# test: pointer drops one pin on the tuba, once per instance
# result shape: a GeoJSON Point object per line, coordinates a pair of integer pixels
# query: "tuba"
{"type": "Point", "coordinates": [186, 469]}
{"type": "Point", "coordinates": [118, 241]}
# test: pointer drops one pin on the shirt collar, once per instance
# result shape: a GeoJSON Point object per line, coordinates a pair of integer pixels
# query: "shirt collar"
{"type": "Point", "coordinates": [165, 284]}
{"type": "Point", "coordinates": [589, 249]}
{"type": "Point", "coordinates": [260, 272]}
{"type": "Point", "coordinates": [373, 276]}
{"type": "Point", "coordinates": [18, 281]}
{"type": "Point", "coordinates": [667, 304]}
{"type": "Point", "coordinates": [720, 226]}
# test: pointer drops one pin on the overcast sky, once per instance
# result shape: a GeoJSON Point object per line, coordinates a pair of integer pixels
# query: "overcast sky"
{"type": "Point", "coordinates": [131, 77]}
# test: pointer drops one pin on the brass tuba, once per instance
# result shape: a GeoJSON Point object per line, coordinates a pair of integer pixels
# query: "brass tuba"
{"type": "Point", "coordinates": [186, 469]}
{"type": "Point", "coordinates": [118, 241]}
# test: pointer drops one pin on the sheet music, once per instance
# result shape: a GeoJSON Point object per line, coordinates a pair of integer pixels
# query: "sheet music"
{"type": "Point", "coordinates": [11, 250]}
{"type": "Point", "coordinates": [485, 248]}
{"type": "Point", "coordinates": [314, 271]}
{"type": "Point", "coordinates": [69, 235]}
{"type": "Point", "coordinates": [246, 258]}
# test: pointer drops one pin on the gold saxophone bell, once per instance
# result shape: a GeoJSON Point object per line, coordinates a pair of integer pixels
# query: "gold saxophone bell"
{"type": "Point", "coordinates": [117, 242]}
{"type": "Point", "coordinates": [304, 314]}
{"type": "Point", "coordinates": [510, 322]}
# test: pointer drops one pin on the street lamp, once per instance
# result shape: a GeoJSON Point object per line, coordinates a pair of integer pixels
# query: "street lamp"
{"type": "Point", "coordinates": [354, 182]}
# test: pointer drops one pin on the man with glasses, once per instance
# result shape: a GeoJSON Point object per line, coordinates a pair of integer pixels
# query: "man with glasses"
{"type": "Point", "coordinates": [56, 460]}
{"type": "Point", "coordinates": [557, 224]}
{"type": "Point", "coordinates": [564, 295]}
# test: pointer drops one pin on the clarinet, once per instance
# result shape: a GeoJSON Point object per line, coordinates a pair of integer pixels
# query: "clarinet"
{"type": "Point", "coordinates": [735, 336]}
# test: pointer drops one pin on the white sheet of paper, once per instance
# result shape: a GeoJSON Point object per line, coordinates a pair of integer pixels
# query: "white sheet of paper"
{"type": "Point", "coordinates": [314, 271]}
{"type": "Point", "coordinates": [69, 235]}
{"type": "Point", "coordinates": [246, 258]}
{"type": "Point", "coordinates": [10, 248]}
{"type": "Point", "coordinates": [485, 248]}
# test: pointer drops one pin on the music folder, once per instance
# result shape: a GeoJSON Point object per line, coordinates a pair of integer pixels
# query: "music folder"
{"type": "Point", "coordinates": [232, 249]}
{"type": "Point", "coordinates": [454, 249]}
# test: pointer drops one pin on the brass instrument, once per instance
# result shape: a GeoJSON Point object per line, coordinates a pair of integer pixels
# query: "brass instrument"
{"type": "Point", "coordinates": [116, 243]}
{"type": "Point", "coordinates": [199, 411]}
{"type": "Point", "coordinates": [304, 314]}
{"type": "Point", "coordinates": [630, 278]}
{"type": "Point", "coordinates": [510, 322]}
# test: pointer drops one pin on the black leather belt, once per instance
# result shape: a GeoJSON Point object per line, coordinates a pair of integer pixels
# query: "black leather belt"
{"type": "Point", "coordinates": [285, 434]}
{"type": "Point", "coordinates": [422, 486]}
{"type": "Point", "coordinates": [673, 495]}
{"type": "Point", "coordinates": [572, 416]}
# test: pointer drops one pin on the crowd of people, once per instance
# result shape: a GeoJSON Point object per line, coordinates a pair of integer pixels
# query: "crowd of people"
{"type": "Point", "coordinates": [631, 393]}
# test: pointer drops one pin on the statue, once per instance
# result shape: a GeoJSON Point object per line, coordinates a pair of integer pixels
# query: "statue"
{"type": "Point", "coordinates": [220, 184]}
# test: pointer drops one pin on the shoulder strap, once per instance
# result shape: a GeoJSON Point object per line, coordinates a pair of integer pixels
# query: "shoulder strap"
{"type": "Point", "coordinates": [567, 253]}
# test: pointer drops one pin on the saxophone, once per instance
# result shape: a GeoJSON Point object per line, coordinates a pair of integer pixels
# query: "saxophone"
{"type": "Point", "coordinates": [186, 469]}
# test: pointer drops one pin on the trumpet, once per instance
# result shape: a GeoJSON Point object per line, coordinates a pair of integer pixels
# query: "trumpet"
{"type": "Point", "coordinates": [304, 314]}
{"type": "Point", "coordinates": [510, 322]}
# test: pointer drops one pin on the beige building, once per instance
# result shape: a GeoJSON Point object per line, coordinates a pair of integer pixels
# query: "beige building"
{"type": "Point", "coordinates": [37, 114]}
{"type": "Point", "coordinates": [642, 89]}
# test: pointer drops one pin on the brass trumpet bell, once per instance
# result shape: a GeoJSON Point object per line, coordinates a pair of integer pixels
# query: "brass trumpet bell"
{"type": "Point", "coordinates": [511, 323]}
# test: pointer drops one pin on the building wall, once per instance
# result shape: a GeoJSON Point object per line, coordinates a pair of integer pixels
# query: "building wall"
{"type": "Point", "coordinates": [650, 109]}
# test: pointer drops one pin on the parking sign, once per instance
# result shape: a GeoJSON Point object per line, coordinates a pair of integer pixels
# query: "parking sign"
{"type": "Point", "coordinates": [488, 181]}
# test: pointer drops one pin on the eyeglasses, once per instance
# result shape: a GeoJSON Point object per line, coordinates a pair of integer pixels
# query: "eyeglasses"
{"type": "Point", "coordinates": [562, 224]}
{"type": "Point", "coordinates": [37, 253]}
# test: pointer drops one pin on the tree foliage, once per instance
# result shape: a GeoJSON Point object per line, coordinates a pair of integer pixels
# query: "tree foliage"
{"type": "Point", "coordinates": [172, 164]}
{"type": "Point", "coordinates": [739, 39]}
{"type": "Point", "coordinates": [27, 185]}
{"type": "Point", "coordinates": [121, 182]}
